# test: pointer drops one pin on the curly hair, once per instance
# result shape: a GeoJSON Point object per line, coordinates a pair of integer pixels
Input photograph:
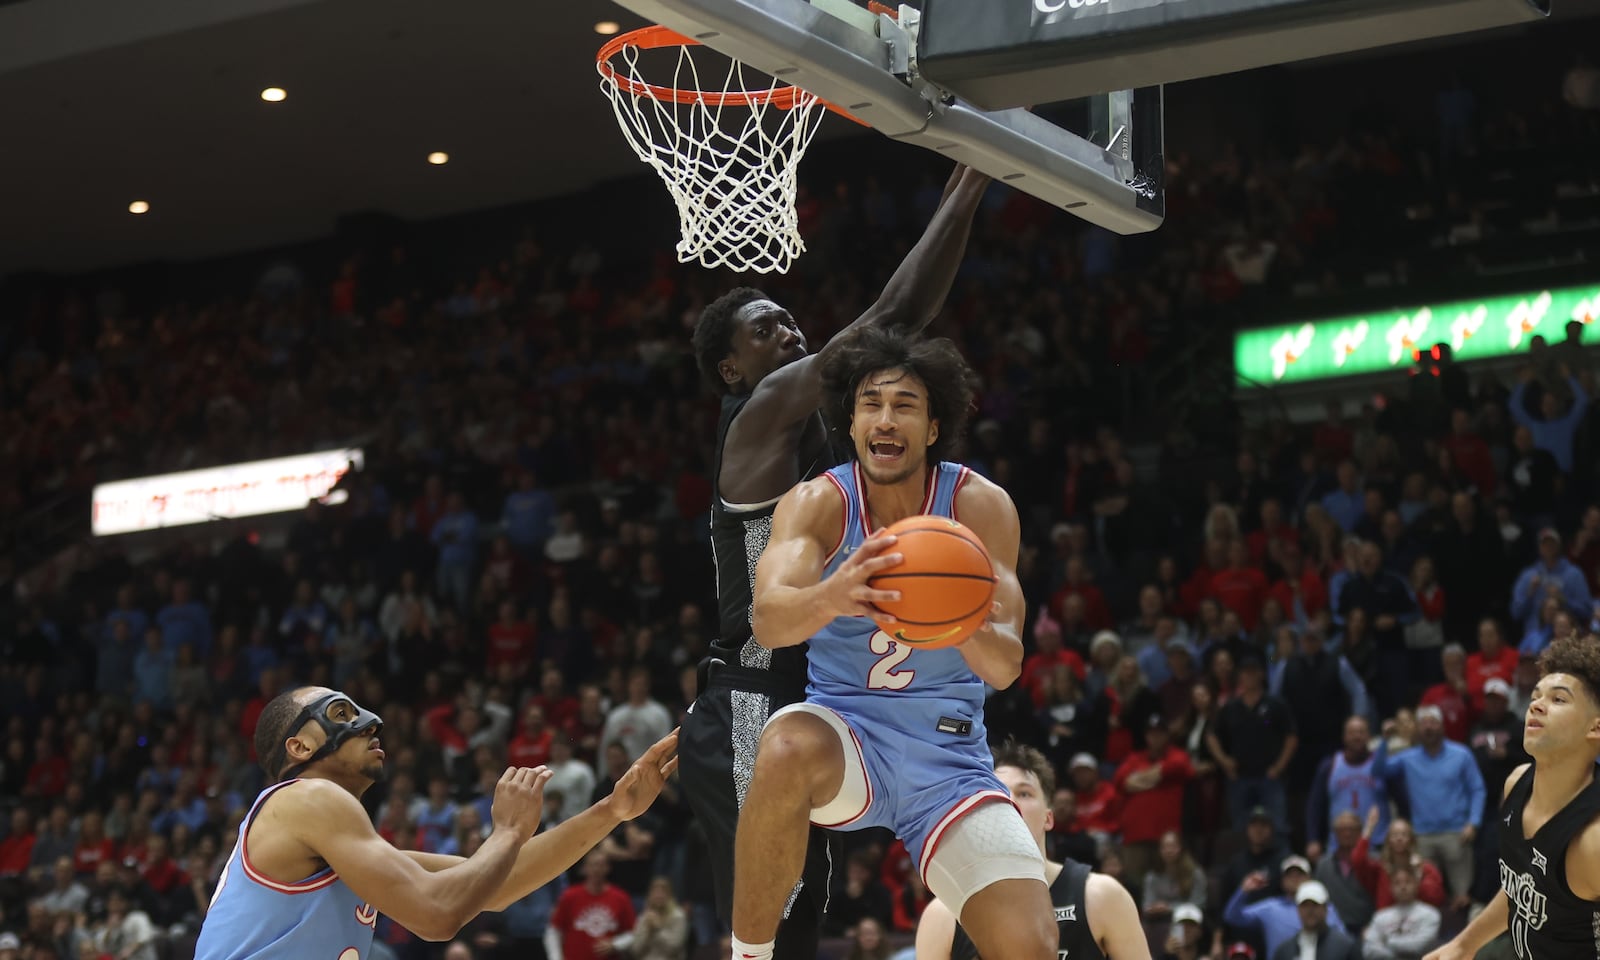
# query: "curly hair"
{"type": "Point", "coordinates": [1023, 757]}
{"type": "Point", "coordinates": [713, 334]}
{"type": "Point", "coordinates": [272, 729]}
{"type": "Point", "coordinates": [850, 360]}
{"type": "Point", "coordinates": [1576, 656]}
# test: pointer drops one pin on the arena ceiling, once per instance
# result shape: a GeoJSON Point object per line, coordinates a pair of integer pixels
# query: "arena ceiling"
{"type": "Point", "coordinates": [506, 88]}
{"type": "Point", "coordinates": [104, 102]}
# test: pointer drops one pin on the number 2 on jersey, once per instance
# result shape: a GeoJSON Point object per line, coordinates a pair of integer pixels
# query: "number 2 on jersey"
{"type": "Point", "coordinates": [883, 675]}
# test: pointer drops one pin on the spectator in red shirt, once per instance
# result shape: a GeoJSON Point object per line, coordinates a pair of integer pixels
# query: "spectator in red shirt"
{"type": "Point", "coordinates": [1268, 542]}
{"type": "Point", "coordinates": [1240, 587]}
{"type": "Point", "coordinates": [1098, 810]}
{"type": "Point", "coordinates": [463, 726]}
{"type": "Point", "coordinates": [1047, 634]}
{"type": "Point", "coordinates": [1451, 696]}
{"type": "Point", "coordinates": [1128, 703]}
{"type": "Point", "coordinates": [896, 870]}
{"type": "Point", "coordinates": [909, 903]}
{"type": "Point", "coordinates": [17, 848]}
{"type": "Point", "coordinates": [590, 919]}
{"type": "Point", "coordinates": [1493, 659]}
{"type": "Point", "coordinates": [1195, 590]}
{"type": "Point", "coordinates": [1470, 453]}
{"type": "Point", "coordinates": [1080, 582]}
{"type": "Point", "coordinates": [1425, 586]}
{"type": "Point", "coordinates": [560, 707]}
{"type": "Point", "coordinates": [93, 844]}
{"type": "Point", "coordinates": [531, 747]}
{"type": "Point", "coordinates": [1585, 550]}
{"type": "Point", "coordinates": [47, 777]}
{"type": "Point", "coordinates": [1300, 592]}
{"type": "Point", "coordinates": [510, 641]}
{"type": "Point", "coordinates": [160, 871]}
{"type": "Point", "coordinates": [428, 507]}
{"type": "Point", "coordinates": [1152, 782]}
{"type": "Point", "coordinates": [267, 688]}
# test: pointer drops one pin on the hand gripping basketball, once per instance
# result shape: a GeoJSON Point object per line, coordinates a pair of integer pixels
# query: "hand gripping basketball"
{"type": "Point", "coordinates": [848, 593]}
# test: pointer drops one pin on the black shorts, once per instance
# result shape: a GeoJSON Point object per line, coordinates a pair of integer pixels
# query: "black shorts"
{"type": "Point", "coordinates": [716, 756]}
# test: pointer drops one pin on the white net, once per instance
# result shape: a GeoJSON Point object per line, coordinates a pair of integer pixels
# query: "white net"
{"type": "Point", "coordinates": [728, 156]}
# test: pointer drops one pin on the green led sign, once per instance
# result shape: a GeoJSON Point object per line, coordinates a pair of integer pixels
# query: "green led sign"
{"type": "Point", "coordinates": [1373, 343]}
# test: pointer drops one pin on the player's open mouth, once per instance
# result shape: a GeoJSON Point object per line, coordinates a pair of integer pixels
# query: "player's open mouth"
{"type": "Point", "coordinates": [886, 449]}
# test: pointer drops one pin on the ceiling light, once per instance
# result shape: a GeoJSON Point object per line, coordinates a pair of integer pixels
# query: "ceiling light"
{"type": "Point", "coordinates": [606, 28]}
{"type": "Point", "coordinates": [274, 95]}
{"type": "Point", "coordinates": [138, 206]}
{"type": "Point", "coordinates": [438, 158]}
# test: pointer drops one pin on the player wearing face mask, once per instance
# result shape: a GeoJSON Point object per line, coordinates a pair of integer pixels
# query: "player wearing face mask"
{"type": "Point", "coordinates": [309, 874]}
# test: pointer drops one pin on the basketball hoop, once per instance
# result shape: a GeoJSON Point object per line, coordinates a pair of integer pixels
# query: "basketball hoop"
{"type": "Point", "coordinates": [727, 156]}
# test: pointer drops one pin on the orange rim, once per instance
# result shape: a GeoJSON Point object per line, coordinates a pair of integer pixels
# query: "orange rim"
{"type": "Point", "coordinates": [784, 97]}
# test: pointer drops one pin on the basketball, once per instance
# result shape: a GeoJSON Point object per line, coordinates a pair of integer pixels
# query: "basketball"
{"type": "Point", "coordinates": [946, 583]}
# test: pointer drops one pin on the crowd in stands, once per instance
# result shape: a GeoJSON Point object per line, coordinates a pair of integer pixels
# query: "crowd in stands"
{"type": "Point", "coordinates": [1298, 678]}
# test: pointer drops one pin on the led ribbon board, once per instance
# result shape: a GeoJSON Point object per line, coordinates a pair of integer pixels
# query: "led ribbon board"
{"type": "Point", "coordinates": [1375, 342]}
{"type": "Point", "coordinates": [219, 493]}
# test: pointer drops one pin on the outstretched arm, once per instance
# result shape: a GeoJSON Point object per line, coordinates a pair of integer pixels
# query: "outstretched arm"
{"type": "Point", "coordinates": [552, 853]}
{"type": "Point", "coordinates": [917, 291]}
{"type": "Point", "coordinates": [324, 819]}
{"type": "Point", "coordinates": [910, 300]}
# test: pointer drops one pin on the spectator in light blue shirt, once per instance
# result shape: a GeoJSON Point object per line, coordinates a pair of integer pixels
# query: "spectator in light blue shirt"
{"type": "Point", "coordinates": [185, 622]}
{"type": "Point", "coordinates": [114, 665]}
{"type": "Point", "coordinates": [528, 918]}
{"type": "Point", "coordinates": [184, 807]}
{"type": "Point", "coordinates": [128, 612]}
{"type": "Point", "coordinates": [1551, 574]}
{"type": "Point", "coordinates": [1351, 553]}
{"type": "Point", "coordinates": [528, 515]}
{"type": "Point", "coordinates": [152, 672]}
{"type": "Point", "coordinates": [1346, 502]}
{"type": "Point", "coordinates": [1553, 429]}
{"type": "Point", "coordinates": [1446, 792]}
{"type": "Point", "coordinates": [1277, 919]}
{"type": "Point", "coordinates": [456, 536]}
{"type": "Point", "coordinates": [306, 615]}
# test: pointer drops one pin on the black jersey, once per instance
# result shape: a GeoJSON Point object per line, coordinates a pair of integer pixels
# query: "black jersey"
{"type": "Point", "coordinates": [1546, 918]}
{"type": "Point", "coordinates": [1074, 939]}
{"type": "Point", "coordinates": [739, 532]}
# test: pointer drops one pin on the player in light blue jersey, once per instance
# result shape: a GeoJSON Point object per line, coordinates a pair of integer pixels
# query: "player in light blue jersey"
{"type": "Point", "coordinates": [309, 874]}
{"type": "Point", "coordinates": [889, 735]}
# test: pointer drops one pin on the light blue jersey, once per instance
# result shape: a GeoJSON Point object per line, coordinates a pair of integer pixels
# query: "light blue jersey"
{"type": "Point", "coordinates": [855, 666]}
{"type": "Point", "coordinates": [916, 715]}
{"type": "Point", "coordinates": [253, 917]}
